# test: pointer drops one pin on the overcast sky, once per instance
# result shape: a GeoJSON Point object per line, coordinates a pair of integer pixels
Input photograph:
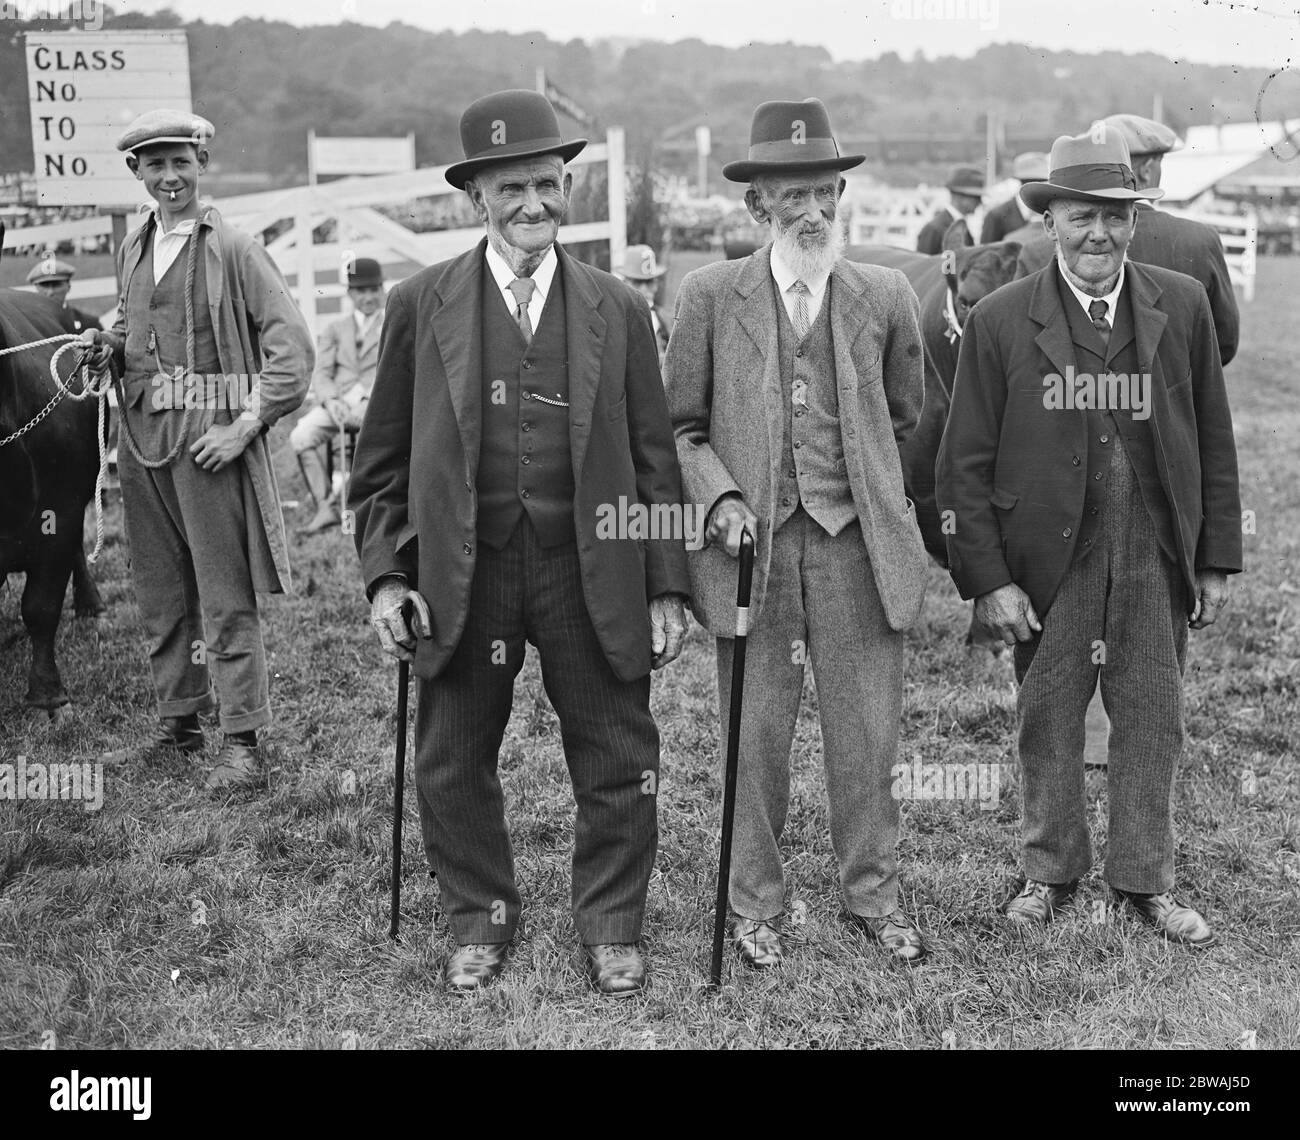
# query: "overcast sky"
{"type": "Point", "coordinates": [1212, 31]}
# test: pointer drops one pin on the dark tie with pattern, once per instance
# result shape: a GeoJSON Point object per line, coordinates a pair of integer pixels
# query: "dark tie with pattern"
{"type": "Point", "coordinates": [802, 318]}
{"type": "Point", "coordinates": [522, 288]}
{"type": "Point", "coordinates": [1097, 311]}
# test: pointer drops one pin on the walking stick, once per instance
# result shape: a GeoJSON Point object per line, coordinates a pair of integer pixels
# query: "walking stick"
{"type": "Point", "coordinates": [733, 750]}
{"type": "Point", "coordinates": [403, 672]}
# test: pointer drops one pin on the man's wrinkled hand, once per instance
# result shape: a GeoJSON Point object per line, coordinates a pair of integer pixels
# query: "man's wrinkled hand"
{"type": "Point", "coordinates": [101, 355]}
{"type": "Point", "coordinates": [727, 521]}
{"type": "Point", "coordinates": [222, 444]}
{"type": "Point", "coordinates": [1211, 597]}
{"type": "Point", "coordinates": [388, 610]}
{"type": "Point", "coordinates": [667, 629]}
{"type": "Point", "coordinates": [1008, 612]}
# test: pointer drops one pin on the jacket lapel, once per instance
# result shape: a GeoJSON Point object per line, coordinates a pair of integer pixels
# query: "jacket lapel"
{"type": "Point", "coordinates": [1149, 321]}
{"type": "Point", "coordinates": [456, 327]}
{"type": "Point", "coordinates": [584, 330]}
{"type": "Point", "coordinates": [1045, 309]}
{"type": "Point", "coordinates": [756, 314]}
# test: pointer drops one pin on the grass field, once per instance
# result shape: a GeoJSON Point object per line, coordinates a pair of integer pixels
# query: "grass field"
{"type": "Point", "coordinates": [173, 919]}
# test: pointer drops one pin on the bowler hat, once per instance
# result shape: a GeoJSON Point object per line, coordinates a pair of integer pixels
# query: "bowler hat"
{"type": "Point", "coordinates": [364, 273]}
{"type": "Point", "coordinates": [1093, 166]}
{"type": "Point", "coordinates": [164, 126]}
{"type": "Point", "coordinates": [1144, 136]}
{"type": "Point", "coordinates": [966, 180]}
{"type": "Point", "coordinates": [505, 126]}
{"type": "Point", "coordinates": [639, 264]}
{"type": "Point", "coordinates": [786, 136]}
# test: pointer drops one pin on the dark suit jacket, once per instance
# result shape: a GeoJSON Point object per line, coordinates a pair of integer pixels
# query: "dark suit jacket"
{"type": "Point", "coordinates": [1009, 467]}
{"type": "Point", "coordinates": [417, 455]}
{"type": "Point", "coordinates": [930, 239]}
{"type": "Point", "coordinates": [1195, 249]}
{"type": "Point", "coordinates": [1000, 221]}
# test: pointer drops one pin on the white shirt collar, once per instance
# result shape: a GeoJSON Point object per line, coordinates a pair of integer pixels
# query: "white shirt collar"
{"type": "Point", "coordinates": [1085, 300]}
{"type": "Point", "coordinates": [363, 321]}
{"type": "Point", "coordinates": [784, 277]}
{"type": "Point", "coordinates": [543, 275]}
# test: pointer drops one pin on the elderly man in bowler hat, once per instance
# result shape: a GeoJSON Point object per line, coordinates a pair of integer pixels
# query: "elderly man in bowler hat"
{"type": "Point", "coordinates": [1090, 467]}
{"type": "Point", "coordinates": [346, 355]}
{"type": "Point", "coordinates": [793, 377]}
{"type": "Point", "coordinates": [518, 393]}
{"type": "Point", "coordinates": [966, 196]}
{"type": "Point", "coordinates": [203, 302]}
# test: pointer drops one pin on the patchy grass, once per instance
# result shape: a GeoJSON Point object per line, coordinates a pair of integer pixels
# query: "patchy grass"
{"type": "Point", "coordinates": [172, 919]}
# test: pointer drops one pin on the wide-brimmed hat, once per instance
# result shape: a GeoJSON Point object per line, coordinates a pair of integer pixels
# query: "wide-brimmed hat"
{"type": "Point", "coordinates": [639, 264]}
{"type": "Point", "coordinates": [966, 180]}
{"type": "Point", "coordinates": [364, 273]}
{"type": "Point", "coordinates": [1144, 136]}
{"type": "Point", "coordinates": [1030, 166]}
{"type": "Point", "coordinates": [165, 126]}
{"type": "Point", "coordinates": [786, 136]}
{"type": "Point", "coordinates": [1093, 166]}
{"type": "Point", "coordinates": [505, 126]}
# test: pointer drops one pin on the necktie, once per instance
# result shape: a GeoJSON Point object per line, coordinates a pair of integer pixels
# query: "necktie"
{"type": "Point", "coordinates": [802, 322]}
{"type": "Point", "coordinates": [1097, 311]}
{"type": "Point", "coordinates": [522, 288]}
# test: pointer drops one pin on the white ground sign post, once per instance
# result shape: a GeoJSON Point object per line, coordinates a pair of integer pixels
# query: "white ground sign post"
{"type": "Point", "coordinates": [85, 88]}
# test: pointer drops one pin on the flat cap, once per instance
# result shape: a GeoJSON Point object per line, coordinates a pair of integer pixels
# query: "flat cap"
{"type": "Point", "coordinates": [1144, 136]}
{"type": "Point", "coordinates": [49, 269]}
{"type": "Point", "coordinates": [165, 126]}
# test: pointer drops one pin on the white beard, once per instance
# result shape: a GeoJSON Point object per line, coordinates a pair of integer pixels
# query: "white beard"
{"type": "Point", "coordinates": [810, 257]}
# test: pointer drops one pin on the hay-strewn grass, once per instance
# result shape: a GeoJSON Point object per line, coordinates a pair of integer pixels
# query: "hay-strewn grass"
{"type": "Point", "coordinates": [99, 933]}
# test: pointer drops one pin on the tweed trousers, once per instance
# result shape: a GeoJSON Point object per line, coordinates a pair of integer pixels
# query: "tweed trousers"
{"type": "Point", "coordinates": [188, 533]}
{"type": "Point", "coordinates": [821, 605]}
{"type": "Point", "coordinates": [1124, 604]}
{"type": "Point", "coordinates": [529, 592]}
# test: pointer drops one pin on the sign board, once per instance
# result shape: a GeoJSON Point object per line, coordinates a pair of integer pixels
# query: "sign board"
{"type": "Point", "coordinates": [85, 88]}
{"type": "Point", "coordinates": [339, 155]}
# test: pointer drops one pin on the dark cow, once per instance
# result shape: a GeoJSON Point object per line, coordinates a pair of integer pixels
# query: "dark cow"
{"type": "Point", "coordinates": [47, 477]}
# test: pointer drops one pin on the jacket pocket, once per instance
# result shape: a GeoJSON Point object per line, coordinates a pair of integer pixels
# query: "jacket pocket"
{"type": "Point", "coordinates": [1004, 500]}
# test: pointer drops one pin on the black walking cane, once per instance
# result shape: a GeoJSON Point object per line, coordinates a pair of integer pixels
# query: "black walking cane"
{"type": "Point", "coordinates": [403, 672]}
{"type": "Point", "coordinates": [733, 749]}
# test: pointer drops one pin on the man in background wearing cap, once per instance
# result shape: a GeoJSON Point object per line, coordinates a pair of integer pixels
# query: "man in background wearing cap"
{"type": "Point", "coordinates": [517, 402]}
{"type": "Point", "coordinates": [52, 278]}
{"type": "Point", "coordinates": [793, 377]}
{"type": "Point", "coordinates": [1177, 243]}
{"type": "Point", "coordinates": [640, 270]}
{"type": "Point", "coordinates": [1090, 466]}
{"type": "Point", "coordinates": [1006, 217]}
{"type": "Point", "coordinates": [966, 195]}
{"type": "Point", "coordinates": [213, 351]}
{"type": "Point", "coordinates": [346, 355]}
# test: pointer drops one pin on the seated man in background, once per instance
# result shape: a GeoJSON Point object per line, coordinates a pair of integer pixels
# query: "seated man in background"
{"type": "Point", "coordinates": [346, 355]}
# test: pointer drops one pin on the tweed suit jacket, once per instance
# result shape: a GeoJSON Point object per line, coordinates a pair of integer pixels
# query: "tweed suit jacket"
{"type": "Point", "coordinates": [416, 464]}
{"type": "Point", "coordinates": [342, 369]}
{"type": "Point", "coordinates": [723, 378]}
{"type": "Point", "coordinates": [1009, 466]}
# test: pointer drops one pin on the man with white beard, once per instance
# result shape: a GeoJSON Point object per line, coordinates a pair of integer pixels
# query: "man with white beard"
{"type": "Point", "coordinates": [793, 378]}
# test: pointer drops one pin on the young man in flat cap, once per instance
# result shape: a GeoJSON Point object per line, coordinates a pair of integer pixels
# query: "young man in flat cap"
{"type": "Point", "coordinates": [640, 270]}
{"type": "Point", "coordinates": [1090, 467]}
{"type": "Point", "coordinates": [52, 278]}
{"type": "Point", "coordinates": [213, 351]}
{"type": "Point", "coordinates": [966, 197]}
{"type": "Point", "coordinates": [518, 399]}
{"type": "Point", "coordinates": [346, 356]}
{"type": "Point", "coordinates": [793, 378]}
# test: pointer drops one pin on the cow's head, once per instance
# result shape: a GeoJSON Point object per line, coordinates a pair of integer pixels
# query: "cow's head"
{"type": "Point", "coordinates": [974, 271]}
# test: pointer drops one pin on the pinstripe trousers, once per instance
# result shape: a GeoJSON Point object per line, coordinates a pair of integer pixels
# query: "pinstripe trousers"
{"type": "Point", "coordinates": [529, 592]}
{"type": "Point", "coordinates": [1123, 603]}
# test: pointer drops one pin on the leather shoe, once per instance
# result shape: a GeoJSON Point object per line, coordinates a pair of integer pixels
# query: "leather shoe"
{"type": "Point", "coordinates": [326, 516]}
{"type": "Point", "coordinates": [473, 966]}
{"type": "Point", "coordinates": [1176, 922]}
{"type": "Point", "coordinates": [616, 968]}
{"type": "Point", "coordinates": [1038, 902]}
{"type": "Point", "coordinates": [896, 933]}
{"type": "Point", "coordinates": [171, 734]}
{"type": "Point", "coordinates": [758, 945]}
{"type": "Point", "coordinates": [236, 766]}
